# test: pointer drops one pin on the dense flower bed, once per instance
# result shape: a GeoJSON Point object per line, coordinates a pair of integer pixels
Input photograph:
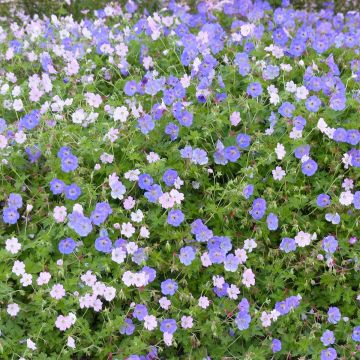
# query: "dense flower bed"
{"type": "Point", "coordinates": [180, 185]}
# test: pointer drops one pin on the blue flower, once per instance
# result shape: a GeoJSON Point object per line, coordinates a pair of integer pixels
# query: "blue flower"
{"type": "Point", "coordinates": [67, 246]}
{"type": "Point", "coordinates": [169, 287]}
{"type": "Point", "coordinates": [103, 244]}
{"type": "Point", "coordinates": [187, 255]}
{"type": "Point", "coordinates": [10, 215]}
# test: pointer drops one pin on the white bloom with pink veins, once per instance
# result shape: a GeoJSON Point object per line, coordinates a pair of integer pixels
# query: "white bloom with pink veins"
{"type": "Point", "coordinates": [168, 338]}
{"type": "Point", "coordinates": [235, 118]}
{"type": "Point", "coordinates": [127, 229]}
{"type": "Point", "coordinates": [241, 255]}
{"type": "Point", "coordinates": [93, 100]}
{"type": "Point", "coordinates": [346, 198]}
{"type": "Point", "coordinates": [20, 137]}
{"type": "Point", "coordinates": [249, 245]}
{"type": "Point", "coordinates": [13, 309]}
{"type": "Point", "coordinates": [18, 268]}
{"type": "Point", "coordinates": [280, 151]}
{"type": "Point", "coordinates": [233, 292]}
{"type": "Point", "coordinates": [204, 302]}
{"type": "Point", "coordinates": [166, 200]}
{"type": "Point", "coordinates": [44, 278]}
{"type": "Point", "coordinates": [70, 342]}
{"type": "Point", "coordinates": [302, 239]}
{"type": "Point", "coordinates": [152, 157]}
{"type": "Point", "coordinates": [12, 245]}
{"type": "Point", "coordinates": [63, 322]}
{"type": "Point", "coordinates": [88, 278]}
{"type": "Point", "coordinates": [144, 232]}
{"type": "Point", "coordinates": [26, 279]}
{"type": "Point", "coordinates": [248, 278]}
{"type": "Point", "coordinates": [30, 344]}
{"type": "Point", "coordinates": [72, 67]}
{"type": "Point", "coordinates": [186, 322]}
{"type": "Point", "coordinates": [3, 142]}
{"type": "Point", "coordinates": [118, 255]}
{"type": "Point", "coordinates": [265, 319]}
{"type": "Point", "coordinates": [150, 322]}
{"type": "Point", "coordinates": [218, 281]}
{"type": "Point", "coordinates": [109, 293]}
{"type": "Point", "coordinates": [121, 114]}
{"type": "Point", "coordinates": [205, 259]}
{"type": "Point", "coordinates": [60, 214]}
{"type": "Point", "coordinates": [165, 303]}
{"type": "Point", "coordinates": [57, 292]}
{"type": "Point", "coordinates": [129, 203]}
{"type": "Point", "coordinates": [278, 173]}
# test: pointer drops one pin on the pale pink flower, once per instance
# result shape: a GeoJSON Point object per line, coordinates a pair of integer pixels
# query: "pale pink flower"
{"type": "Point", "coordinates": [57, 291]}
{"type": "Point", "coordinates": [44, 278]}
{"type": "Point", "coordinates": [150, 322]}
{"type": "Point", "coordinates": [13, 309]}
{"type": "Point", "coordinates": [204, 302]}
{"type": "Point", "coordinates": [248, 278]}
{"type": "Point", "coordinates": [12, 245]}
{"type": "Point", "coordinates": [186, 322]}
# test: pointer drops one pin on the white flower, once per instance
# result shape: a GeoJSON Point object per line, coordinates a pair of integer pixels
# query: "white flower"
{"type": "Point", "coordinates": [60, 213]}
{"type": "Point", "coordinates": [78, 116]}
{"type": "Point", "coordinates": [265, 319]}
{"type": "Point", "coordinates": [12, 245]}
{"type": "Point", "coordinates": [18, 268]}
{"type": "Point", "coordinates": [13, 309]}
{"type": "Point", "coordinates": [241, 255]}
{"type": "Point", "coordinates": [127, 229]}
{"type": "Point", "coordinates": [301, 93]}
{"type": "Point", "coordinates": [346, 198]}
{"type": "Point", "coordinates": [121, 114]}
{"type": "Point", "coordinates": [186, 322]}
{"type": "Point", "coordinates": [295, 134]}
{"type": "Point", "coordinates": [152, 157]}
{"type": "Point", "coordinates": [132, 175]}
{"type": "Point", "coordinates": [20, 137]}
{"type": "Point", "coordinates": [346, 160]}
{"type": "Point", "coordinates": [18, 105]}
{"type": "Point", "coordinates": [44, 278]}
{"type": "Point", "coordinates": [144, 232]}
{"type": "Point", "coordinates": [177, 196]}
{"type": "Point", "coordinates": [168, 338]}
{"type": "Point", "coordinates": [165, 303]}
{"type": "Point", "coordinates": [248, 278]}
{"type": "Point", "coordinates": [30, 344]}
{"type": "Point", "coordinates": [185, 81]}
{"type": "Point", "coordinates": [246, 29]}
{"type": "Point", "coordinates": [137, 216]}
{"type": "Point", "coordinates": [290, 87]}
{"type": "Point", "coordinates": [3, 142]}
{"type": "Point", "coordinates": [71, 342]}
{"type": "Point", "coordinates": [150, 322]}
{"type": "Point", "coordinates": [321, 125]}
{"type": "Point", "coordinates": [249, 245]}
{"type": "Point", "coordinates": [109, 293]}
{"type": "Point", "coordinates": [280, 151]}
{"type": "Point", "coordinates": [26, 279]}
{"type": "Point", "coordinates": [278, 173]}
{"type": "Point", "coordinates": [303, 239]}
{"type": "Point", "coordinates": [118, 255]}
{"type": "Point", "coordinates": [274, 314]}
{"type": "Point", "coordinates": [131, 248]}
{"type": "Point", "coordinates": [233, 292]}
{"type": "Point", "coordinates": [204, 302]}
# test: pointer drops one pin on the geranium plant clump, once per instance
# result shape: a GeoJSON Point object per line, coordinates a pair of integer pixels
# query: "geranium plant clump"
{"type": "Point", "coordinates": [180, 184]}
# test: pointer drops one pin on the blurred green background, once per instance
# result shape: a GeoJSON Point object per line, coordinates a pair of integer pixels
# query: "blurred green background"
{"type": "Point", "coordinates": [59, 7]}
